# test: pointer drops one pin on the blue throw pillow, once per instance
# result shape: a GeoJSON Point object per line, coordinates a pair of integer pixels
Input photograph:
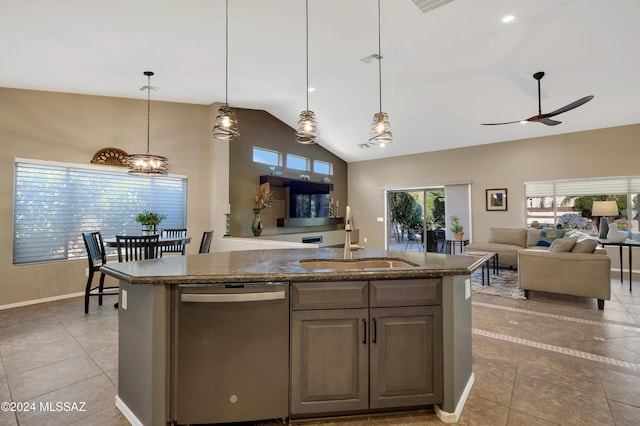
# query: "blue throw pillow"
{"type": "Point", "coordinates": [548, 235]}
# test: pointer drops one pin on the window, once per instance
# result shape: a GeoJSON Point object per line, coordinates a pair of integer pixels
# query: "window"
{"type": "Point", "coordinates": [55, 202]}
{"type": "Point", "coordinates": [267, 156]}
{"type": "Point", "coordinates": [298, 163]}
{"type": "Point", "coordinates": [322, 167]}
{"type": "Point", "coordinates": [569, 202]}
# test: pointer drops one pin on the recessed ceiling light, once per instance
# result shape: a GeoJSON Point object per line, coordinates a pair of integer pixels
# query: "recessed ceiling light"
{"type": "Point", "coordinates": [311, 89]}
{"type": "Point", "coordinates": [507, 18]}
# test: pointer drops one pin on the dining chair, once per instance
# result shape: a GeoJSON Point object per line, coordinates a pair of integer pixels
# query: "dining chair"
{"type": "Point", "coordinates": [412, 239]}
{"type": "Point", "coordinates": [175, 247]}
{"type": "Point", "coordinates": [97, 259]}
{"type": "Point", "coordinates": [139, 247]}
{"type": "Point", "coordinates": [205, 244]}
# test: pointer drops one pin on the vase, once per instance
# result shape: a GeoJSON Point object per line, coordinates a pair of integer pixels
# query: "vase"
{"type": "Point", "coordinates": [256, 225]}
{"type": "Point", "coordinates": [614, 235]}
{"type": "Point", "coordinates": [148, 229]}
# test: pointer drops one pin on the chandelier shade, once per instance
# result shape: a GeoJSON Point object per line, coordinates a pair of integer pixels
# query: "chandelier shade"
{"type": "Point", "coordinates": [307, 131]}
{"type": "Point", "coordinates": [381, 128]}
{"type": "Point", "coordinates": [148, 164]}
{"type": "Point", "coordinates": [226, 126]}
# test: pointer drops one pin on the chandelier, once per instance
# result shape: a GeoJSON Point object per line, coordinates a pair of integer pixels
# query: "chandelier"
{"type": "Point", "coordinates": [381, 127]}
{"type": "Point", "coordinates": [307, 131]}
{"type": "Point", "coordinates": [147, 164]}
{"type": "Point", "coordinates": [226, 127]}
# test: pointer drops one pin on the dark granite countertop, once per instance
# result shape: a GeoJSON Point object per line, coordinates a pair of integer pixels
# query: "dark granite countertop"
{"type": "Point", "coordinates": [283, 265]}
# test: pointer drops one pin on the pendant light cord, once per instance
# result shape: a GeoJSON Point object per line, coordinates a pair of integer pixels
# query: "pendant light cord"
{"type": "Point", "coordinates": [226, 55]}
{"type": "Point", "coordinates": [379, 59]}
{"type": "Point", "coordinates": [149, 74]}
{"type": "Point", "coordinates": [307, 50]}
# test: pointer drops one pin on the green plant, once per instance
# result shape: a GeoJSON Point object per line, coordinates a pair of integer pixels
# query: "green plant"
{"type": "Point", "coordinates": [149, 218]}
{"type": "Point", "coordinates": [456, 226]}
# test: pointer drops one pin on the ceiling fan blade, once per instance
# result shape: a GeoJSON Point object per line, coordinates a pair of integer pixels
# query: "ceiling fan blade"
{"type": "Point", "coordinates": [547, 121]}
{"type": "Point", "coordinates": [569, 107]}
{"type": "Point", "coordinates": [498, 124]}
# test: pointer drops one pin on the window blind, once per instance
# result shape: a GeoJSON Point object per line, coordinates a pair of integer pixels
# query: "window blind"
{"type": "Point", "coordinates": [54, 203]}
{"type": "Point", "coordinates": [596, 186]}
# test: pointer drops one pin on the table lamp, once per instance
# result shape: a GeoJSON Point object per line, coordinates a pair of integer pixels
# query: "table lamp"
{"type": "Point", "coordinates": [604, 209]}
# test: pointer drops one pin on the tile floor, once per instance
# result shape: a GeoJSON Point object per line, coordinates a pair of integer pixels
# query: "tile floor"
{"type": "Point", "coordinates": [544, 361]}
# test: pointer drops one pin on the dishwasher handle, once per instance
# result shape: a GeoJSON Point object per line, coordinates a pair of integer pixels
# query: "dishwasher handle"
{"type": "Point", "coordinates": [232, 297]}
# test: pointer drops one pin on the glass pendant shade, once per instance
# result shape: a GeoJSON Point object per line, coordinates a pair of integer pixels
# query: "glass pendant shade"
{"type": "Point", "coordinates": [381, 130]}
{"type": "Point", "coordinates": [307, 131]}
{"type": "Point", "coordinates": [226, 127]}
{"type": "Point", "coordinates": [147, 164]}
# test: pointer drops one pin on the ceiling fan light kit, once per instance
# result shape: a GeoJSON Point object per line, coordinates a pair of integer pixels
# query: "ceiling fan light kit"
{"type": "Point", "coordinates": [226, 127]}
{"type": "Point", "coordinates": [148, 164]}
{"type": "Point", "coordinates": [546, 118]}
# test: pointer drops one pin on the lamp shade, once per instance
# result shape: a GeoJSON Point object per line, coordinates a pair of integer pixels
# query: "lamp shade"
{"type": "Point", "coordinates": [604, 208]}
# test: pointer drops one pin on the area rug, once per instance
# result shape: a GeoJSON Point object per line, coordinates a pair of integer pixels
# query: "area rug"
{"type": "Point", "coordinates": [505, 284]}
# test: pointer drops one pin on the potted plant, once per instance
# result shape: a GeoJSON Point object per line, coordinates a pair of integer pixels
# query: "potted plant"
{"type": "Point", "coordinates": [456, 227]}
{"type": "Point", "coordinates": [149, 220]}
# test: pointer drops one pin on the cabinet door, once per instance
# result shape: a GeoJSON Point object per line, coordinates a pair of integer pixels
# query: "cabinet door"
{"type": "Point", "coordinates": [329, 363]}
{"type": "Point", "coordinates": [406, 356]}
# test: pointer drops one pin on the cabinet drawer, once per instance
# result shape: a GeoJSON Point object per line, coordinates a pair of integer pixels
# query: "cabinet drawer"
{"type": "Point", "coordinates": [329, 295]}
{"type": "Point", "coordinates": [406, 292]}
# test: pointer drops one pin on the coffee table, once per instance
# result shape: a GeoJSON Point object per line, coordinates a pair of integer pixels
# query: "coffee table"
{"type": "Point", "coordinates": [486, 259]}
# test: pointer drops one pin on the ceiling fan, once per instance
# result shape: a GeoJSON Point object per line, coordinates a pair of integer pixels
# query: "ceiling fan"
{"type": "Point", "coordinates": [546, 118]}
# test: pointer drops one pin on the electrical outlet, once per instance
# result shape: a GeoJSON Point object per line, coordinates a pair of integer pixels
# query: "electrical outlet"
{"type": "Point", "coordinates": [123, 302]}
{"type": "Point", "coordinates": [86, 272]}
{"type": "Point", "coordinates": [380, 219]}
{"type": "Point", "coordinates": [365, 239]}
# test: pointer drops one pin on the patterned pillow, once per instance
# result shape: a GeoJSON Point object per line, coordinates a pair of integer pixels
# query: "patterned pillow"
{"type": "Point", "coordinates": [548, 235]}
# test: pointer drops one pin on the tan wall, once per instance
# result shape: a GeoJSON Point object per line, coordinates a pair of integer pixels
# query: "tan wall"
{"type": "Point", "coordinates": [259, 128]}
{"type": "Point", "coordinates": [606, 152]}
{"type": "Point", "coordinates": [72, 128]}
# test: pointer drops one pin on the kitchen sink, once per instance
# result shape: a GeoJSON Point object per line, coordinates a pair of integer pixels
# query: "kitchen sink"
{"type": "Point", "coordinates": [342, 264]}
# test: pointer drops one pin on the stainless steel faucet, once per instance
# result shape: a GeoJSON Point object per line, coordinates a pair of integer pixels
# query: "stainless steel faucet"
{"type": "Point", "coordinates": [348, 227]}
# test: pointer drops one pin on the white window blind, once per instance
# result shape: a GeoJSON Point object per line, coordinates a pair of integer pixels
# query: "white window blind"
{"type": "Point", "coordinates": [54, 203]}
{"type": "Point", "coordinates": [595, 186]}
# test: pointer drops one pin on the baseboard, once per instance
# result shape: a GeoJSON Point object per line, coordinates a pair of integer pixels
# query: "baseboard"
{"type": "Point", "coordinates": [127, 413]}
{"type": "Point", "coordinates": [44, 300]}
{"type": "Point", "coordinates": [454, 417]}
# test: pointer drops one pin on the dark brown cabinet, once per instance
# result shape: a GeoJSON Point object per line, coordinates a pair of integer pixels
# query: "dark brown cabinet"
{"type": "Point", "coordinates": [365, 345]}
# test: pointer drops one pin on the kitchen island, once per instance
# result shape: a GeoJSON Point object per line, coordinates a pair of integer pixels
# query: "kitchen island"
{"type": "Point", "coordinates": [420, 302]}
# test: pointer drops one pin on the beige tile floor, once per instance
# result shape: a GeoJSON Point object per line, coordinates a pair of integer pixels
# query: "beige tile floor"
{"type": "Point", "coordinates": [544, 361]}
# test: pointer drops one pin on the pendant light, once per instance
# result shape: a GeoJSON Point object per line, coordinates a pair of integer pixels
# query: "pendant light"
{"type": "Point", "coordinates": [148, 164]}
{"type": "Point", "coordinates": [226, 127]}
{"type": "Point", "coordinates": [381, 127]}
{"type": "Point", "coordinates": [307, 132]}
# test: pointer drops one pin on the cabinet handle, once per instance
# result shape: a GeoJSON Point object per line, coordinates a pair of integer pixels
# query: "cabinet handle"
{"type": "Point", "coordinates": [375, 331]}
{"type": "Point", "coordinates": [364, 338]}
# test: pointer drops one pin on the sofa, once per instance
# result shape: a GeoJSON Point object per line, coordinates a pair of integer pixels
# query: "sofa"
{"type": "Point", "coordinates": [555, 261]}
{"type": "Point", "coordinates": [506, 242]}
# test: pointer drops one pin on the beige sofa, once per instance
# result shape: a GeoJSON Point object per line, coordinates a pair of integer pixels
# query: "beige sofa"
{"type": "Point", "coordinates": [575, 274]}
{"type": "Point", "coordinates": [506, 242]}
{"type": "Point", "coordinates": [572, 265]}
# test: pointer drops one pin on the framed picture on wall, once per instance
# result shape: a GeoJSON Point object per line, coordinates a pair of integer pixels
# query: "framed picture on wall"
{"type": "Point", "coordinates": [497, 199]}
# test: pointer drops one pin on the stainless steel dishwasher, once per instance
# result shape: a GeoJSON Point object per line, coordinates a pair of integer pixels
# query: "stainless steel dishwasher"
{"type": "Point", "coordinates": [230, 359]}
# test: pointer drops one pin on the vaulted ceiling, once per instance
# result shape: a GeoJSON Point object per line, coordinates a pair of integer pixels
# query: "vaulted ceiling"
{"type": "Point", "coordinates": [443, 72]}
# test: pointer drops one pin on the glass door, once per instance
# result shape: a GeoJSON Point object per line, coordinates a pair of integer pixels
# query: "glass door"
{"type": "Point", "coordinates": [416, 219]}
